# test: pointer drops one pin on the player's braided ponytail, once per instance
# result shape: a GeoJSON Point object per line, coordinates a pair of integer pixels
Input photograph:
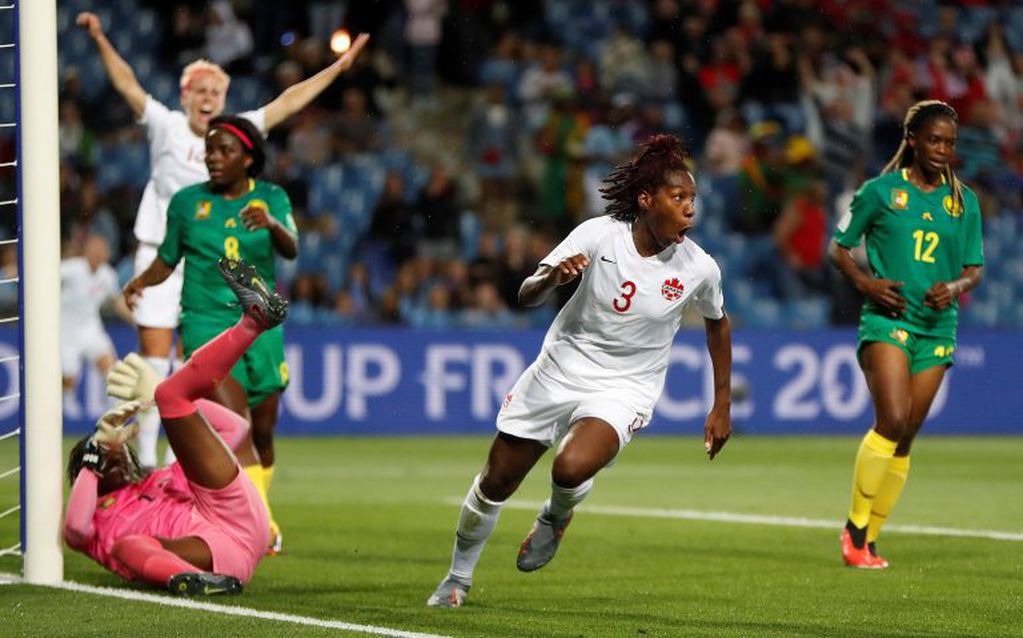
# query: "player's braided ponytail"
{"type": "Point", "coordinates": [918, 115]}
{"type": "Point", "coordinates": [643, 172]}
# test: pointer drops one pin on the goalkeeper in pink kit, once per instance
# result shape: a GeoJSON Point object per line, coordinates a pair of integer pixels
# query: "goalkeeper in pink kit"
{"type": "Point", "coordinates": [198, 526]}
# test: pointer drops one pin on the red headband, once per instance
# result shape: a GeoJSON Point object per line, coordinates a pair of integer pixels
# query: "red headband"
{"type": "Point", "coordinates": [237, 132]}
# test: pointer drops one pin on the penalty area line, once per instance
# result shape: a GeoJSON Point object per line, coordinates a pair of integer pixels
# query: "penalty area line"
{"type": "Point", "coordinates": [760, 519]}
{"type": "Point", "coordinates": [227, 610]}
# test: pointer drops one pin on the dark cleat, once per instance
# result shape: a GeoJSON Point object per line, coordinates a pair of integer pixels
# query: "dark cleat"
{"type": "Point", "coordinates": [257, 300]}
{"type": "Point", "coordinates": [203, 584]}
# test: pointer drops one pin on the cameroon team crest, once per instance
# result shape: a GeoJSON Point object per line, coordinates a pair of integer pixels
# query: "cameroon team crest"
{"type": "Point", "coordinates": [952, 207]}
{"type": "Point", "coordinates": [202, 209]}
{"type": "Point", "coordinates": [671, 289]}
{"type": "Point", "coordinates": [900, 198]}
{"type": "Point", "coordinates": [899, 335]}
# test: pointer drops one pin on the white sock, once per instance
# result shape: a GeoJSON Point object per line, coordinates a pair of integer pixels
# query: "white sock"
{"type": "Point", "coordinates": [72, 409]}
{"type": "Point", "coordinates": [149, 421]}
{"type": "Point", "coordinates": [564, 499]}
{"type": "Point", "coordinates": [475, 525]}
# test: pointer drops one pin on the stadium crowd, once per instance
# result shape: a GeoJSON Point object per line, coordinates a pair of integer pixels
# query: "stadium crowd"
{"type": "Point", "coordinates": [430, 179]}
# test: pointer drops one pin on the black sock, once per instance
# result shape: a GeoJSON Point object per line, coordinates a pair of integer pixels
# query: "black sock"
{"type": "Point", "coordinates": [873, 549]}
{"type": "Point", "coordinates": [858, 534]}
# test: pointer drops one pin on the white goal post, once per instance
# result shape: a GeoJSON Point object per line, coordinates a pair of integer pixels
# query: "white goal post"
{"type": "Point", "coordinates": [39, 221]}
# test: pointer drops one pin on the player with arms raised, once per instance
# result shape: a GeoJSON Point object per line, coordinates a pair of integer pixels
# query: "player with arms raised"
{"type": "Point", "coordinates": [923, 234]}
{"type": "Point", "coordinates": [604, 359]}
{"type": "Point", "coordinates": [176, 152]}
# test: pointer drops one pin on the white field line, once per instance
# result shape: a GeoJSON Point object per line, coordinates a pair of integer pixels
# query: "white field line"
{"type": "Point", "coordinates": [759, 519]}
{"type": "Point", "coordinates": [227, 610]}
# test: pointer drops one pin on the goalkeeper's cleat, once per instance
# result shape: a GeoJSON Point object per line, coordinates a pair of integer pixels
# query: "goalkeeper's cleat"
{"type": "Point", "coordinates": [203, 584]}
{"type": "Point", "coordinates": [872, 548]}
{"type": "Point", "coordinates": [542, 542]}
{"type": "Point", "coordinates": [451, 592]}
{"type": "Point", "coordinates": [257, 300]}
{"type": "Point", "coordinates": [858, 557]}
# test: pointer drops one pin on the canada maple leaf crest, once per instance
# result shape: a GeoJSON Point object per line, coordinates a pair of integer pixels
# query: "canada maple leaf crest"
{"type": "Point", "coordinates": [671, 289]}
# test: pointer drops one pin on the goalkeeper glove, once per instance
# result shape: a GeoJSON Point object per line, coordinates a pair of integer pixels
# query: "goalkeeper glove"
{"type": "Point", "coordinates": [113, 430]}
{"type": "Point", "coordinates": [132, 378]}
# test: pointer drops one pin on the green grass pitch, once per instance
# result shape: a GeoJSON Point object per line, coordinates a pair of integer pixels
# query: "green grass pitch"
{"type": "Point", "coordinates": [368, 526]}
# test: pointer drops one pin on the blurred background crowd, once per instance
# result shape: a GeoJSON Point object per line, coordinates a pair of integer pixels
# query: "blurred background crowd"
{"type": "Point", "coordinates": [473, 135]}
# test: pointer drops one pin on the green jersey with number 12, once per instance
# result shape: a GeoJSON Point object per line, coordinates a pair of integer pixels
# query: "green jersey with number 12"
{"type": "Point", "coordinates": [918, 238]}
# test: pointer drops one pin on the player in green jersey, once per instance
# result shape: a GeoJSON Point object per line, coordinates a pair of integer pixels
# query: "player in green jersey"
{"type": "Point", "coordinates": [236, 216]}
{"type": "Point", "coordinates": [923, 241]}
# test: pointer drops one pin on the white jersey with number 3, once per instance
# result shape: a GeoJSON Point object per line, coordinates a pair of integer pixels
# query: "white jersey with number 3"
{"type": "Point", "coordinates": [615, 333]}
{"type": "Point", "coordinates": [177, 158]}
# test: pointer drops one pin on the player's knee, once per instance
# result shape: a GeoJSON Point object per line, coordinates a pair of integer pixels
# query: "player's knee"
{"type": "Point", "coordinates": [498, 486]}
{"type": "Point", "coordinates": [165, 394]}
{"type": "Point", "coordinates": [124, 548]}
{"type": "Point", "coordinates": [570, 472]}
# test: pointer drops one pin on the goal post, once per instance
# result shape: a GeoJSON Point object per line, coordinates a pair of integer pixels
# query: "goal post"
{"type": "Point", "coordinates": [39, 232]}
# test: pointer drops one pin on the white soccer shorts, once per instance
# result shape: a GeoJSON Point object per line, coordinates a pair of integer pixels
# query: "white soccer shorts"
{"type": "Point", "coordinates": [541, 408]}
{"type": "Point", "coordinates": [80, 342]}
{"type": "Point", "coordinates": [159, 306]}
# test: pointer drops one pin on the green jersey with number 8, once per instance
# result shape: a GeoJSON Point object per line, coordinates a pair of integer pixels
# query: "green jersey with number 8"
{"type": "Point", "coordinates": [203, 226]}
{"type": "Point", "coordinates": [918, 238]}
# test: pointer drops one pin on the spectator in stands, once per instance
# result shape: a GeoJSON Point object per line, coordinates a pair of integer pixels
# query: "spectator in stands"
{"type": "Point", "coordinates": [308, 294]}
{"type": "Point", "coordinates": [559, 142]}
{"type": "Point", "coordinates": [487, 309]}
{"type": "Point", "coordinates": [228, 39]}
{"type": "Point", "coordinates": [356, 130]}
{"type": "Point", "coordinates": [437, 209]}
{"type": "Point", "coordinates": [493, 145]}
{"type": "Point", "coordinates": [309, 142]}
{"type": "Point", "coordinates": [540, 83]}
{"type": "Point", "coordinates": [422, 37]}
{"type": "Point", "coordinates": [762, 180]}
{"type": "Point", "coordinates": [393, 223]}
{"type": "Point", "coordinates": [977, 147]}
{"type": "Point", "coordinates": [75, 142]}
{"type": "Point", "coordinates": [800, 235]}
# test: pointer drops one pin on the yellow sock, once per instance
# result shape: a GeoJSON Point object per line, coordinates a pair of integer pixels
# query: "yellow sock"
{"type": "Point", "coordinates": [887, 496]}
{"type": "Point", "coordinates": [256, 474]}
{"type": "Point", "coordinates": [268, 478]}
{"type": "Point", "coordinates": [872, 462]}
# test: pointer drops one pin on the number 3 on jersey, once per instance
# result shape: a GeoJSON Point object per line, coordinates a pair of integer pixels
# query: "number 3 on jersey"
{"type": "Point", "coordinates": [623, 303]}
{"type": "Point", "coordinates": [922, 253]}
{"type": "Point", "coordinates": [231, 248]}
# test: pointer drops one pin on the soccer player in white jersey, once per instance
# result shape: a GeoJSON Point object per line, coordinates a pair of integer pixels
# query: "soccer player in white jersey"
{"type": "Point", "coordinates": [177, 151]}
{"type": "Point", "coordinates": [603, 361]}
{"type": "Point", "coordinates": [87, 283]}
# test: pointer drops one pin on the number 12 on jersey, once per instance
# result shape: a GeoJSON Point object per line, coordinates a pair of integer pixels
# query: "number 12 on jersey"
{"type": "Point", "coordinates": [921, 252]}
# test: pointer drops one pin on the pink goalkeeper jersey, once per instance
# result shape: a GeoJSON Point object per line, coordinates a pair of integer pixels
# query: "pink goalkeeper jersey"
{"type": "Point", "coordinates": [162, 505]}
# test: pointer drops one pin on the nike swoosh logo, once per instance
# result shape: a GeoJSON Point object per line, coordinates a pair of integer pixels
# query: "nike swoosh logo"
{"type": "Point", "coordinates": [603, 258]}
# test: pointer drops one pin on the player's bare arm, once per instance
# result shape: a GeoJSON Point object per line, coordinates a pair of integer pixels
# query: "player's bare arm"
{"type": "Point", "coordinates": [284, 241]}
{"type": "Point", "coordinates": [718, 426]}
{"type": "Point", "coordinates": [294, 98]}
{"type": "Point", "coordinates": [157, 273]}
{"type": "Point", "coordinates": [942, 293]}
{"type": "Point", "coordinates": [120, 73]}
{"type": "Point", "coordinates": [884, 292]}
{"type": "Point", "coordinates": [537, 287]}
